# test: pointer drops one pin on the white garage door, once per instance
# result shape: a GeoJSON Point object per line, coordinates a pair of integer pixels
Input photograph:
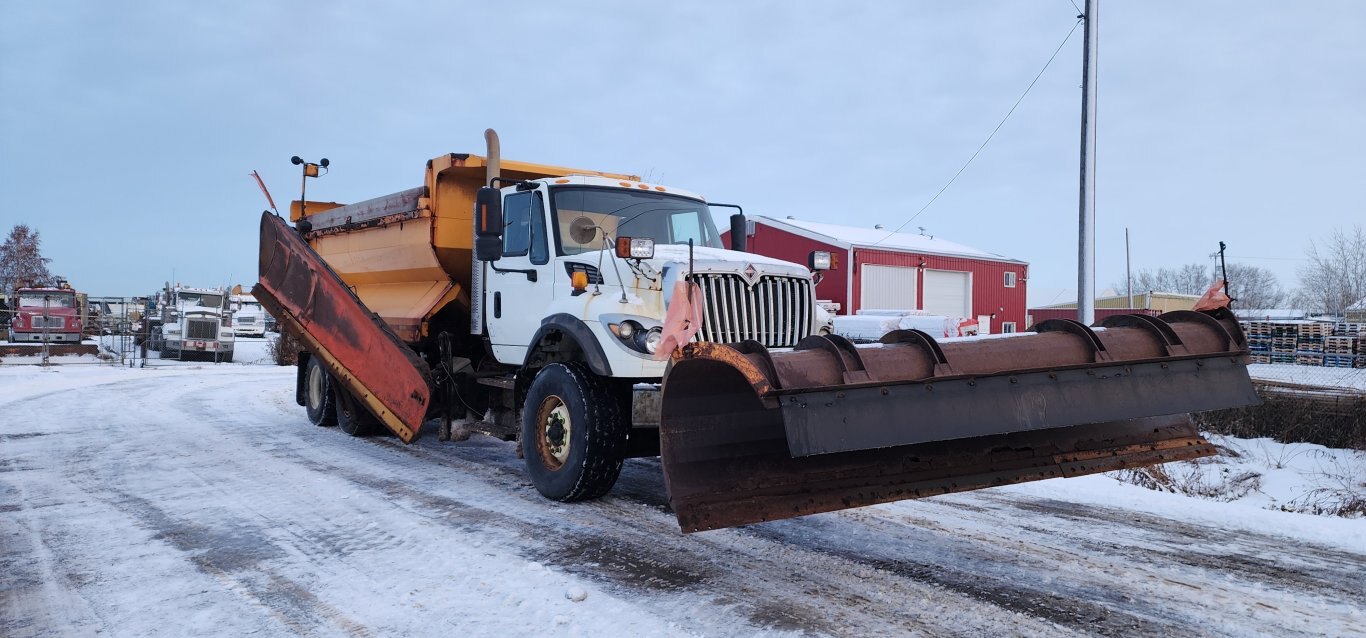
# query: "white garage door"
{"type": "Point", "coordinates": [886, 287]}
{"type": "Point", "coordinates": [947, 293]}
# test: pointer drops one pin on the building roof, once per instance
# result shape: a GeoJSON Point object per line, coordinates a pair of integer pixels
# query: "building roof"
{"type": "Point", "coordinates": [855, 236]}
{"type": "Point", "coordinates": [1138, 296]}
{"type": "Point", "coordinates": [1270, 313]}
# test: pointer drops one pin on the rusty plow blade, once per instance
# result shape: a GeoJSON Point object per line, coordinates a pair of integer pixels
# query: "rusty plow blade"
{"type": "Point", "coordinates": [358, 348]}
{"type": "Point", "coordinates": [750, 435]}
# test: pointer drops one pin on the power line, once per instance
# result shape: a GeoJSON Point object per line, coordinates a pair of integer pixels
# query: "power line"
{"type": "Point", "coordinates": [988, 140]}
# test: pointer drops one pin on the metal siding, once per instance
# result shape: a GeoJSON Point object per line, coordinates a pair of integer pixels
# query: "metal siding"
{"type": "Point", "coordinates": [989, 294]}
{"type": "Point", "coordinates": [780, 244]}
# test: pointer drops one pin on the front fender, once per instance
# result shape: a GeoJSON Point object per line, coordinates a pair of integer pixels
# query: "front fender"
{"type": "Point", "coordinates": [576, 330]}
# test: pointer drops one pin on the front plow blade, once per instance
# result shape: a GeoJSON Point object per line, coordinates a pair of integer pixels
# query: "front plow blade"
{"type": "Point", "coordinates": [750, 435]}
{"type": "Point", "coordinates": [357, 347]}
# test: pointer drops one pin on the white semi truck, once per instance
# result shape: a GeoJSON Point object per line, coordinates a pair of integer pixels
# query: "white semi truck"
{"type": "Point", "coordinates": [196, 323]}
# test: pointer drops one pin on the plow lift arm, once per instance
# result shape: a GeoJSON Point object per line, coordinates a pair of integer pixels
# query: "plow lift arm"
{"type": "Point", "coordinates": [749, 434]}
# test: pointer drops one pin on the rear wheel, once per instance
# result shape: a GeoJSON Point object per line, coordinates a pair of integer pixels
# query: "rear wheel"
{"type": "Point", "coordinates": [352, 417]}
{"type": "Point", "coordinates": [318, 400]}
{"type": "Point", "coordinates": [573, 433]}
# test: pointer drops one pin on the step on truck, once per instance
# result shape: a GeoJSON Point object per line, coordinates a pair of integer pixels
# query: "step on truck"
{"type": "Point", "coordinates": [595, 317]}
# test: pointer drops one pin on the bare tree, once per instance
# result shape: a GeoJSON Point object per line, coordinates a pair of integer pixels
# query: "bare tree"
{"type": "Point", "coordinates": [1335, 276]}
{"type": "Point", "coordinates": [1253, 287]}
{"type": "Point", "coordinates": [1190, 279]}
{"type": "Point", "coordinates": [22, 261]}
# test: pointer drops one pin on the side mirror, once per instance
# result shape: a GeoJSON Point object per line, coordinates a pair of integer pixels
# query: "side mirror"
{"type": "Point", "coordinates": [488, 248]}
{"type": "Point", "coordinates": [818, 260]}
{"type": "Point", "coordinates": [488, 212]}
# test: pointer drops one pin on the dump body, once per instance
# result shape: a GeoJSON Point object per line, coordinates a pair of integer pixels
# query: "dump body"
{"type": "Point", "coordinates": [408, 255]}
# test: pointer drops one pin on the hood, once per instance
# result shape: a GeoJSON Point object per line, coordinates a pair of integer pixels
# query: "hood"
{"type": "Point", "coordinates": [672, 259]}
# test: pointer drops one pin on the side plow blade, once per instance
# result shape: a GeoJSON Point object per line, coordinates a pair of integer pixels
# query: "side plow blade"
{"type": "Point", "coordinates": [356, 346]}
{"type": "Point", "coordinates": [750, 435]}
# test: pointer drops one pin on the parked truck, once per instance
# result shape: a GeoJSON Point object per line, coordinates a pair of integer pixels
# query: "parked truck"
{"type": "Point", "coordinates": [595, 317]}
{"type": "Point", "coordinates": [248, 316]}
{"type": "Point", "coordinates": [50, 314]}
{"type": "Point", "coordinates": [193, 323]}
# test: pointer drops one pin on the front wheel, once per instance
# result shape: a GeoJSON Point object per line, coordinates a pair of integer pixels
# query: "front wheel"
{"type": "Point", "coordinates": [573, 433]}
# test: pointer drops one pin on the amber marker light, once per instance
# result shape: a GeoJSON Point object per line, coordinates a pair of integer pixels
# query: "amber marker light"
{"type": "Point", "coordinates": [578, 280]}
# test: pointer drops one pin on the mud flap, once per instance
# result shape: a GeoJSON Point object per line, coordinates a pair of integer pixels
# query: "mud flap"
{"type": "Point", "coordinates": [358, 348]}
{"type": "Point", "coordinates": [750, 435]}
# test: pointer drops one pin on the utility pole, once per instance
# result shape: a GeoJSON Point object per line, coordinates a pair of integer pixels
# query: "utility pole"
{"type": "Point", "coordinates": [1086, 250]}
{"type": "Point", "coordinates": [1128, 274]}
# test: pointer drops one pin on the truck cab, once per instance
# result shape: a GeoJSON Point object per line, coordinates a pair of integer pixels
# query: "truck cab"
{"type": "Point", "coordinates": [45, 314]}
{"type": "Point", "coordinates": [248, 317]}
{"type": "Point", "coordinates": [628, 243]}
{"type": "Point", "coordinates": [196, 323]}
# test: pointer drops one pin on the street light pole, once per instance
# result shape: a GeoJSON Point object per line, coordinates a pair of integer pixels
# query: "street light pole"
{"type": "Point", "coordinates": [1086, 251]}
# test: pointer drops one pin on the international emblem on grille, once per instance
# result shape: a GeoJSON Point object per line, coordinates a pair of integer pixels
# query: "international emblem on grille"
{"type": "Point", "coordinates": [749, 273]}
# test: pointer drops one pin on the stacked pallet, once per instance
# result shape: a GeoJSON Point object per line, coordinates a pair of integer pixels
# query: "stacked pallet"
{"type": "Point", "coordinates": [1339, 351]}
{"type": "Point", "coordinates": [1283, 338]}
{"type": "Point", "coordinates": [1309, 343]}
{"type": "Point", "coordinates": [1258, 340]}
{"type": "Point", "coordinates": [1345, 329]}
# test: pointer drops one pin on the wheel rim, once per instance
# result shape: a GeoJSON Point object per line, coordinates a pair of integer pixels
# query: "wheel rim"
{"type": "Point", "coordinates": [553, 432]}
{"type": "Point", "coordinates": [315, 387]}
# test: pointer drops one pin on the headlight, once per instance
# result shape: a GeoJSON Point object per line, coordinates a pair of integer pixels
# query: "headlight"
{"type": "Point", "coordinates": [648, 341]}
{"type": "Point", "coordinates": [635, 336]}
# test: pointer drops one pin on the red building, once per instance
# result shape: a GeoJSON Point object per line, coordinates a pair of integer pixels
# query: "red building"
{"type": "Point", "coordinates": [872, 268]}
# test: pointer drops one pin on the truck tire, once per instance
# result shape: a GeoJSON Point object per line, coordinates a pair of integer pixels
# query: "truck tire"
{"type": "Point", "coordinates": [225, 358]}
{"type": "Point", "coordinates": [573, 433]}
{"type": "Point", "coordinates": [352, 417]}
{"type": "Point", "coordinates": [318, 401]}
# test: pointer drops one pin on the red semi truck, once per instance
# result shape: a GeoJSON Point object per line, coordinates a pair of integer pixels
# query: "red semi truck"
{"type": "Point", "coordinates": [41, 313]}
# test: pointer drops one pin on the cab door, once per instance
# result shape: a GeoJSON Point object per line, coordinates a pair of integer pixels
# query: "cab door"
{"type": "Point", "coordinates": [519, 285]}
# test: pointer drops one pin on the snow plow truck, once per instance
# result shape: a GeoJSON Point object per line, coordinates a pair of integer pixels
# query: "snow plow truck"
{"type": "Point", "coordinates": [595, 317]}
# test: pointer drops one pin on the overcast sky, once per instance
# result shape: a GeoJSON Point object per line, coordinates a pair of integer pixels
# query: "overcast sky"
{"type": "Point", "coordinates": [128, 129]}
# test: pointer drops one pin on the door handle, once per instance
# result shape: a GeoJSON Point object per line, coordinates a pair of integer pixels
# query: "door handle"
{"type": "Point", "coordinates": [498, 305]}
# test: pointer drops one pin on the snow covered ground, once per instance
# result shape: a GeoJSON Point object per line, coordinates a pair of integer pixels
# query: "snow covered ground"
{"type": "Point", "coordinates": [194, 499]}
{"type": "Point", "coordinates": [1349, 378]}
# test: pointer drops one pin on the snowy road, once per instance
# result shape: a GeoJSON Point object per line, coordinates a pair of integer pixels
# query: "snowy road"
{"type": "Point", "coordinates": [197, 500]}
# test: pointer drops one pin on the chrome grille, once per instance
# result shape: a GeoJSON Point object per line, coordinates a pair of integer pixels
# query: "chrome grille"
{"type": "Point", "coordinates": [49, 322]}
{"type": "Point", "coordinates": [246, 320]}
{"type": "Point", "coordinates": [201, 329]}
{"type": "Point", "coordinates": [775, 311]}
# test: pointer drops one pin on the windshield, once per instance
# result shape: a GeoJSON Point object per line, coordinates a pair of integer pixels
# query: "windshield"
{"type": "Point", "coordinates": [55, 300]}
{"type": "Point", "coordinates": [667, 219]}
{"type": "Point", "coordinates": [199, 299]}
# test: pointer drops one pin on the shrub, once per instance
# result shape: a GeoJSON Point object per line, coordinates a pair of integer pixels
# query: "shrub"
{"type": "Point", "coordinates": [284, 350]}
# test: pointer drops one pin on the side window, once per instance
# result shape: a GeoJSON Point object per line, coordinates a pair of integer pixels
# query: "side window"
{"type": "Point", "coordinates": [517, 225]}
{"type": "Point", "coordinates": [1008, 327]}
{"type": "Point", "coordinates": [540, 251]}
{"type": "Point", "coordinates": [524, 227]}
{"type": "Point", "coordinates": [1010, 279]}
